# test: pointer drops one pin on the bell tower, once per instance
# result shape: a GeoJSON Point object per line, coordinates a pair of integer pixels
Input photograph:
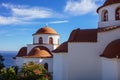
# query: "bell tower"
{"type": "Point", "coordinates": [109, 14]}
{"type": "Point", "coordinates": [46, 36]}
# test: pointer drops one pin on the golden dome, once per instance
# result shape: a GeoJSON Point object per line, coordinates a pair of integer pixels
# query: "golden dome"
{"type": "Point", "coordinates": [40, 52]}
{"type": "Point", "coordinates": [46, 30]}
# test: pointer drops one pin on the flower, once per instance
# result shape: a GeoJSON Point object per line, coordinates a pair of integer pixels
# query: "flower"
{"type": "Point", "coordinates": [37, 71]}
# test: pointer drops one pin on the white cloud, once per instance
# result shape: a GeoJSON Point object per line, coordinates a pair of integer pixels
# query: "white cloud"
{"type": "Point", "coordinates": [8, 20]}
{"type": "Point", "coordinates": [80, 7]}
{"type": "Point", "coordinates": [58, 22]}
{"type": "Point", "coordinates": [32, 13]}
{"type": "Point", "coordinates": [25, 14]}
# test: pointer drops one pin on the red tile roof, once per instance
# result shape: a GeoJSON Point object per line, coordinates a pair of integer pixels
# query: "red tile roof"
{"type": "Point", "coordinates": [109, 2]}
{"type": "Point", "coordinates": [77, 35]}
{"type": "Point", "coordinates": [62, 48]}
{"type": "Point", "coordinates": [112, 50]}
{"type": "Point", "coordinates": [40, 52]}
{"type": "Point", "coordinates": [22, 52]}
{"type": "Point", "coordinates": [86, 35]}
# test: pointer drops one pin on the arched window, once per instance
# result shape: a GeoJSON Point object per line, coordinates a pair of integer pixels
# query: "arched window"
{"type": "Point", "coordinates": [46, 66]}
{"type": "Point", "coordinates": [40, 40]}
{"type": "Point", "coordinates": [50, 40]}
{"type": "Point", "coordinates": [117, 14]}
{"type": "Point", "coordinates": [105, 15]}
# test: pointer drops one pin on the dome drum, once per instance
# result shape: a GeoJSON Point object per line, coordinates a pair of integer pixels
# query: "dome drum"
{"type": "Point", "coordinates": [46, 35]}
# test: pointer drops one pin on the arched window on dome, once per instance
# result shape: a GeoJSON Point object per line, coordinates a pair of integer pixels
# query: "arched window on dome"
{"type": "Point", "coordinates": [40, 40]}
{"type": "Point", "coordinates": [117, 14]}
{"type": "Point", "coordinates": [46, 66]}
{"type": "Point", "coordinates": [105, 15]}
{"type": "Point", "coordinates": [50, 40]}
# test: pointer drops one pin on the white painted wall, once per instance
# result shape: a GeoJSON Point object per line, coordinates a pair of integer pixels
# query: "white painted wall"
{"type": "Point", "coordinates": [111, 16]}
{"type": "Point", "coordinates": [83, 62]}
{"type": "Point", "coordinates": [110, 69]}
{"type": "Point", "coordinates": [118, 69]}
{"type": "Point", "coordinates": [19, 61]}
{"type": "Point", "coordinates": [60, 66]}
{"type": "Point", "coordinates": [104, 38]}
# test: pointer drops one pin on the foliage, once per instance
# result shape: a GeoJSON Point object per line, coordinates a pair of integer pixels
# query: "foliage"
{"type": "Point", "coordinates": [1, 62]}
{"type": "Point", "coordinates": [30, 71]}
{"type": "Point", "coordinates": [33, 71]}
{"type": "Point", "coordinates": [8, 74]}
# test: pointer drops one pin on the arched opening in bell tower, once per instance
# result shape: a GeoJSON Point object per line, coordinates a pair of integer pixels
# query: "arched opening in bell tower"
{"type": "Point", "coordinates": [117, 14]}
{"type": "Point", "coordinates": [104, 15]}
{"type": "Point", "coordinates": [40, 40]}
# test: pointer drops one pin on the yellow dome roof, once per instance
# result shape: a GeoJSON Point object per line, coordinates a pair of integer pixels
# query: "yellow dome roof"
{"type": "Point", "coordinates": [40, 52]}
{"type": "Point", "coordinates": [46, 30]}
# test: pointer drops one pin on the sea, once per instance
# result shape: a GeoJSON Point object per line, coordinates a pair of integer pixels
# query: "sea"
{"type": "Point", "coordinates": [8, 58]}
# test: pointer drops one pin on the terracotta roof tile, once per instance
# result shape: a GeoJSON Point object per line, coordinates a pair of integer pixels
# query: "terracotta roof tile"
{"type": "Point", "coordinates": [22, 52]}
{"type": "Point", "coordinates": [87, 35]}
{"type": "Point", "coordinates": [112, 50]}
{"type": "Point", "coordinates": [77, 35]}
{"type": "Point", "coordinates": [40, 52]}
{"type": "Point", "coordinates": [109, 2]}
{"type": "Point", "coordinates": [62, 48]}
{"type": "Point", "coordinates": [45, 30]}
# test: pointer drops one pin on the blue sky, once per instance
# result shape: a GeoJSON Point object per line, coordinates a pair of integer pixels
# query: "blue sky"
{"type": "Point", "coordinates": [19, 19]}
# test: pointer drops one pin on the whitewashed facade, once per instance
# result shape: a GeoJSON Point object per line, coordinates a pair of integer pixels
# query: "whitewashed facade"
{"type": "Point", "coordinates": [91, 54]}
{"type": "Point", "coordinates": [82, 61]}
{"type": "Point", "coordinates": [45, 34]}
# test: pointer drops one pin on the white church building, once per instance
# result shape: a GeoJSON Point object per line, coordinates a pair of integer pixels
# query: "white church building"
{"type": "Point", "coordinates": [88, 54]}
